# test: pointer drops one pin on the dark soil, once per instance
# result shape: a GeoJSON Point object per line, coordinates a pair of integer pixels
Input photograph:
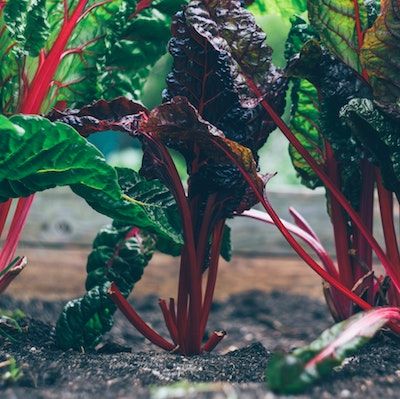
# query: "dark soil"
{"type": "Point", "coordinates": [126, 366]}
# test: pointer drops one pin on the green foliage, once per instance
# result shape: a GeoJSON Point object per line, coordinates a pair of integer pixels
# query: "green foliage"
{"type": "Point", "coordinates": [108, 51]}
{"type": "Point", "coordinates": [293, 373]}
{"type": "Point", "coordinates": [335, 22]}
{"type": "Point", "coordinates": [305, 113]}
{"type": "Point", "coordinates": [380, 134]}
{"type": "Point", "coordinates": [37, 154]}
{"type": "Point", "coordinates": [119, 255]}
{"type": "Point", "coordinates": [134, 45]}
{"type": "Point", "coordinates": [284, 8]}
{"type": "Point", "coordinates": [336, 84]}
{"type": "Point", "coordinates": [380, 56]}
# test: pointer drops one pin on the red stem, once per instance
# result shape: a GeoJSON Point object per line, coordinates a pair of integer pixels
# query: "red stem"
{"type": "Point", "coordinates": [41, 82]}
{"type": "Point", "coordinates": [188, 257]}
{"type": "Point", "coordinates": [389, 231]}
{"type": "Point", "coordinates": [182, 310]}
{"type": "Point", "coordinates": [391, 271]}
{"type": "Point", "coordinates": [212, 273]}
{"type": "Point", "coordinates": [4, 209]}
{"type": "Point", "coordinates": [303, 224]}
{"type": "Point", "coordinates": [136, 320]}
{"type": "Point", "coordinates": [364, 251]}
{"type": "Point", "coordinates": [213, 341]}
{"type": "Point", "coordinates": [172, 310]}
{"type": "Point", "coordinates": [14, 234]}
{"type": "Point", "coordinates": [290, 239]}
{"type": "Point", "coordinates": [340, 227]}
{"type": "Point", "coordinates": [169, 322]}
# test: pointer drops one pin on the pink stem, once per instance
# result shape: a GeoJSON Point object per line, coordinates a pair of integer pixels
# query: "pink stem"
{"type": "Point", "coordinates": [14, 234]}
{"type": "Point", "coordinates": [356, 328]}
{"type": "Point", "coordinates": [303, 224]}
{"type": "Point", "coordinates": [4, 209]}
{"type": "Point", "coordinates": [315, 245]}
{"type": "Point", "coordinates": [391, 271]}
{"type": "Point", "coordinates": [290, 239]}
{"type": "Point", "coordinates": [41, 82]}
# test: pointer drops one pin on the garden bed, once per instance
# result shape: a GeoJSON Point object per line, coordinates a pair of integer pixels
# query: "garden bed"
{"type": "Point", "coordinates": [126, 366]}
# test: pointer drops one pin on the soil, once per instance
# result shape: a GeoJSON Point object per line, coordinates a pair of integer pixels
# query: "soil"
{"type": "Point", "coordinates": [126, 366]}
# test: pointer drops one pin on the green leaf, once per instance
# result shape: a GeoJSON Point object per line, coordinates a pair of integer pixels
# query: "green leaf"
{"type": "Point", "coordinates": [293, 373]}
{"type": "Point", "coordinates": [336, 84]}
{"type": "Point", "coordinates": [107, 51]}
{"type": "Point", "coordinates": [380, 56]}
{"type": "Point", "coordinates": [226, 245]}
{"type": "Point", "coordinates": [36, 154]}
{"type": "Point", "coordinates": [305, 124]}
{"type": "Point", "coordinates": [380, 134]}
{"type": "Point", "coordinates": [119, 255]}
{"type": "Point", "coordinates": [157, 203]}
{"type": "Point", "coordinates": [284, 8]}
{"type": "Point", "coordinates": [305, 113]}
{"type": "Point", "coordinates": [335, 22]}
{"type": "Point", "coordinates": [37, 29]}
{"type": "Point", "coordinates": [134, 45]}
{"type": "Point", "coordinates": [15, 17]}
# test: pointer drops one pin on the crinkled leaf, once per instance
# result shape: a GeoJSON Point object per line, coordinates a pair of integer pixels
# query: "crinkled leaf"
{"type": "Point", "coordinates": [336, 84]}
{"type": "Point", "coordinates": [134, 45]}
{"type": "Point", "coordinates": [305, 124]}
{"type": "Point", "coordinates": [295, 372]}
{"type": "Point", "coordinates": [178, 125]}
{"type": "Point", "coordinates": [305, 113]}
{"type": "Point", "coordinates": [284, 8]}
{"type": "Point", "coordinates": [36, 154]}
{"type": "Point", "coordinates": [119, 114]}
{"type": "Point", "coordinates": [214, 45]}
{"type": "Point", "coordinates": [380, 56]}
{"type": "Point", "coordinates": [158, 204]}
{"type": "Point", "coordinates": [119, 255]}
{"type": "Point", "coordinates": [335, 22]}
{"type": "Point", "coordinates": [380, 134]}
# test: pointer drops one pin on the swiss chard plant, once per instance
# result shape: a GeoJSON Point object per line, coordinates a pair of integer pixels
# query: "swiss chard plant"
{"type": "Point", "coordinates": [344, 134]}
{"type": "Point", "coordinates": [207, 110]}
{"type": "Point", "coordinates": [55, 54]}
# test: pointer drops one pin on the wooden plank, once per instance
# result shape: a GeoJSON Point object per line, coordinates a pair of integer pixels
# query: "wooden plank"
{"type": "Point", "coordinates": [60, 218]}
{"type": "Point", "coordinates": [54, 274]}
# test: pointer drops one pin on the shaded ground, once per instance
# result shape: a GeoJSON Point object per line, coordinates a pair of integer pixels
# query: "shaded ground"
{"type": "Point", "coordinates": [257, 323]}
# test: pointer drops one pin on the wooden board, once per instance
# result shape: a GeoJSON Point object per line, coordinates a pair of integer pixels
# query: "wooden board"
{"type": "Point", "coordinates": [54, 274]}
{"type": "Point", "coordinates": [59, 218]}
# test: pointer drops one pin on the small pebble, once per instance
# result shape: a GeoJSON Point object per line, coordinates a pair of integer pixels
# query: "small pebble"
{"type": "Point", "coordinates": [345, 393]}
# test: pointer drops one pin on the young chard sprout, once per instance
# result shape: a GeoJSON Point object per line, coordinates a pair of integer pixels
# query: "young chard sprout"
{"type": "Point", "coordinates": [293, 373]}
{"type": "Point", "coordinates": [206, 106]}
